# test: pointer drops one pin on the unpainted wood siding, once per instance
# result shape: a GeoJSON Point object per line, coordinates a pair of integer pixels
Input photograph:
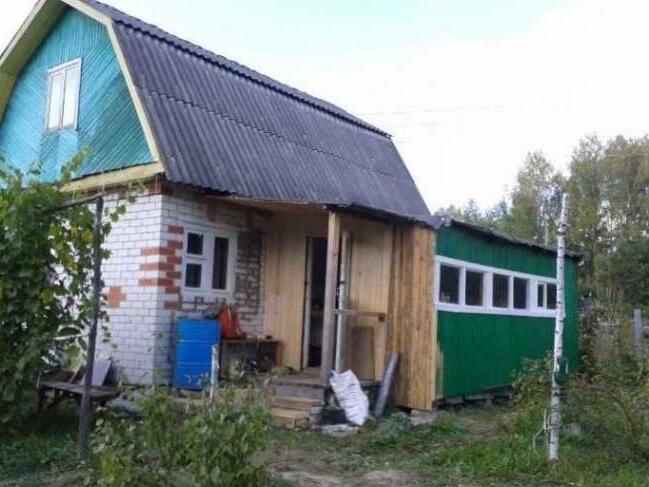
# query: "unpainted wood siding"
{"type": "Point", "coordinates": [412, 322]}
{"type": "Point", "coordinates": [369, 281]}
{"type": "Point", "coordinates": [284, 269]}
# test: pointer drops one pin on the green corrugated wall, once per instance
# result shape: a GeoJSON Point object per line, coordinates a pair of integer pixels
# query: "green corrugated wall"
{"type": "Point", "coordinates": [108, 124]}
{"type": "Point", "coordinates": [482, 351]}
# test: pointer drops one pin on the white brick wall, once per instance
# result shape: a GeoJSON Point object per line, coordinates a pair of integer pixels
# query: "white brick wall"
{"type": "Point", "coordinates": [142, 277]}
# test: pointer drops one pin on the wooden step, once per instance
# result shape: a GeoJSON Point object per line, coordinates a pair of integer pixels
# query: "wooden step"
{"type": "Point", "coordinates": [289, 418]}
{"type": "Point", "coordinates": [298, 403]}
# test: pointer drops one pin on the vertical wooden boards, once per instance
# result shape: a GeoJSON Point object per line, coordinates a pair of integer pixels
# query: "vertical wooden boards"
{"type": "Point", "coordinates": [483, 351]}
{"type": "Point", "coordinates": [331, 283]}
{"type": "Point", "coordinates": [411, 318]}
{"type": "Point", "coordinates": [284, 278]}
{"type": "Point", "coordinates": [369, 290]}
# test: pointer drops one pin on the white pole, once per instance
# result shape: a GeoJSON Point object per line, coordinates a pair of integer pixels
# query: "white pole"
{"type": "Point", "coordinates": [555, 398]}
{"type": "Point", "coordinates": [214, 376]}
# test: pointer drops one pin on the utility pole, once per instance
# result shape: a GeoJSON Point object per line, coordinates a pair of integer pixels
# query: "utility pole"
{"type": "Point", "coordinates": [555, 397]}
{"type": "Point", "coordinates": [85, 418]}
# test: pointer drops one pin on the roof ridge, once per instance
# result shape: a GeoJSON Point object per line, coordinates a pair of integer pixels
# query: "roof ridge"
{"type": "Point", "coordinates": [234, 67]}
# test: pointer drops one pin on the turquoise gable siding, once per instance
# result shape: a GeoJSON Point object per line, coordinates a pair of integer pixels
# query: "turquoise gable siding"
{"type": "Point", "coordinates": [108, 124]}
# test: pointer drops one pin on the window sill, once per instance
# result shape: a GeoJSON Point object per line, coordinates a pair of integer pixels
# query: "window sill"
{"type": "Point", "coordinates": [206, 295]}
{"type": "Point", "coordinates": [481, 310]}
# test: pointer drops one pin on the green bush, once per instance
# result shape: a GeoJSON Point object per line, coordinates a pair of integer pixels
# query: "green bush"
{"type": "Point", "coordinates": [211, 443]}
{"type": "Point", "coordinates": [45, 270]}
{"type": "Point", "coordinates": [612, 406]}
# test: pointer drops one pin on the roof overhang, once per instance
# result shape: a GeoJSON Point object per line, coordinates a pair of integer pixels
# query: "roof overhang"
{"type": "Point", "coordinates": [39, 23]}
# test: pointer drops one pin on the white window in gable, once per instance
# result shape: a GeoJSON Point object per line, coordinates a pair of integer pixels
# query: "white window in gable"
{"type": "Point", "coordinates": [474, 288]}
{"type": "Point", "coordinates": [63, 87]}
{"type": "Point", "coordinates": [208, 262]}
{"type": "Point", "coordinates": [449, 284]}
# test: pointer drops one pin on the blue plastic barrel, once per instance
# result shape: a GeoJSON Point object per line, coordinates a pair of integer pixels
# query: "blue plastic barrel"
{"type": "Point", "coordinates": [193, 354]}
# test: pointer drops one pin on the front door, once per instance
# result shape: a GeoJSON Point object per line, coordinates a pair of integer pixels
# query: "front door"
{"type": "Point", "coordinates": [316, 264]}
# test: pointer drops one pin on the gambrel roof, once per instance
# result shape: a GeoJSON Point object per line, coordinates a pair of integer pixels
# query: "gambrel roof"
{"type": "Point", "coordinates": [222, 127]}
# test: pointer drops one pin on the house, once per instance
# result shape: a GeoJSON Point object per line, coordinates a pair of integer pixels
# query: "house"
{"type": "Point", "coordinates": [254, 193]}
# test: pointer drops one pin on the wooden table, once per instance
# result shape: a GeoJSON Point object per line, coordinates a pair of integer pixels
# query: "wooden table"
{"type": "Point", "coordinates": [264, 352]}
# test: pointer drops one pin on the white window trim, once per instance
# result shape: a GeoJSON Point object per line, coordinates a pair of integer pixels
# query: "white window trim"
{"type": "Point", "coordinates": [533, 280]}
{"type": "Point", "coordinates": [50, 72]}
{"type": "Point", "coordinates": [207, 261]}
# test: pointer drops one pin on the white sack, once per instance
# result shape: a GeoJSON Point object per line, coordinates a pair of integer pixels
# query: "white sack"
{"type": "Point", "coordinates": [350, 396]}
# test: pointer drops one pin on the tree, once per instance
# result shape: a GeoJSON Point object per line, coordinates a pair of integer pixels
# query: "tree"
{"type": "Point", "coordinates": [588, 232]}
{"type": "Point", "coordinates": [45, 270]}
{"type": "Point", "coordinates": [536, 199]}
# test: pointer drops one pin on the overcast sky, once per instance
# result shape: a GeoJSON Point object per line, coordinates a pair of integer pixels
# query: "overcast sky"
{"type": "Point", "coordinates": [466, 87]}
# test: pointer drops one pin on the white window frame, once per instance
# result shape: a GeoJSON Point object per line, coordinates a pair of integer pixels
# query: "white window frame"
{"type": "Point", "coordinates": [544, 283]}
{"type": "Point", "coordinates": [62, 69]}
{"type": "Point", "coordinates": [532, 309]}
{"type": "Point", "coordinates": [207, 261]}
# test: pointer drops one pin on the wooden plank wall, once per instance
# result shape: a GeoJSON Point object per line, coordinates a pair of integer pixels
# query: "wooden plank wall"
{"type": "Point", "coordinates": [371, 269]}
{"type": "Point", "coordinates": [284, 271]}
{"type": "Point", "coordinates": [411, 318]}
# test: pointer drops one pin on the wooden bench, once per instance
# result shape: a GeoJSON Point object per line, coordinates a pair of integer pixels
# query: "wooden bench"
{"type": "Point", "coordinates": [67, 385]}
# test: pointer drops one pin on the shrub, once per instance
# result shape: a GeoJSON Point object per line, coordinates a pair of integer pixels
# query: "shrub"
{"type": "Point", "coordinates": [45, 269]}
{"type": "Point", "coordinates": [212, 443]}
{"type": "Point", "coordinates": [612, 405]}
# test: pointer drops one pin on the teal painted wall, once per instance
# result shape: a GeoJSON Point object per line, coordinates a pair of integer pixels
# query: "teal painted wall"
{"type": "Point", "coordinates": [107, 125]}
{"type": "Point", "coordinates": [482, 351]}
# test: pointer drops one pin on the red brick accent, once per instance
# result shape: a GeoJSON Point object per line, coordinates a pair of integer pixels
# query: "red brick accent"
{"type": "Point", "coordinates": [157, 251]}
{"type": "Point", "coordinates": [170, 305]}
{"type": "Point", "coordinates": [175, 229]}
{"type": "Point", "coordinates": [157, 266]}
{"type": "Point", "coordinates": [172, 290]}
{"type": "Point", "coordinates": [155, 282]}
{"type": "Point", "coordinates": [173, 259]}
{"type": "Point", "coordinates": [173, 244]}
{"type": "Point", "coordinates": [173, 275]}
{"type": "Point", "coordinates": [114, 297]}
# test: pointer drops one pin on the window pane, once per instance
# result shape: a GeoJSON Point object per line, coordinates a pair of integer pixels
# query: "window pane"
{"type": "Point", "coordinates": [520, 293]}
{"type": "Point", "coordinates": [195, 243]}
{"type": "Point", "coordinates": [193, 275]}
{"type": "Point", "coordinates": [72, 78]}
{"type": "Point", "coordinates": [449, 284]}
{"type": "Point", "coordinates": [501, 291]}
{"type": "Point", "coordinates": [473, 288]}
{"type": "Point", "coordinates": [220, 271]}
{"type": "Point", "coordinates": [540, 296]}
{"type": "Point", "coordinates": [55, 100]}
{"type": "Point", "coordinates": [552, 296]}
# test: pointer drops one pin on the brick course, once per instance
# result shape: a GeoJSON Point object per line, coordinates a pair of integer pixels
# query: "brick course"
{"type": "Point", "coordinates": [143, 275]}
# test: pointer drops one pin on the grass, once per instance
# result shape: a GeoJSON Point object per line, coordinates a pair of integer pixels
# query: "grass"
{"type": "Point", "coordinates": [45, 445]}
{"type": "Point", "coordinates": [472, 446]}
{"type": "Point", "coordinates": [482, 447]}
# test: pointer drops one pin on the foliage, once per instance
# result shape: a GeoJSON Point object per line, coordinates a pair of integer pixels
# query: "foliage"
{"type": "Point", "coordinates": [46, 444]}
{"type": "Point", "coordinates": [608, 185]}
{"type": "Point", "coordinates": [397, 432]}
{"type": "Point", "coordinates": [213, 443]}
{"type": "Point", "coordinates": [612, 405]}
{"type": "Point", "coordinates": [45, 270]}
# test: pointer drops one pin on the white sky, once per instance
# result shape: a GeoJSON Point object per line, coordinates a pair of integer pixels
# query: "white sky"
{"type": "Point", "coordinates": [465, 101]}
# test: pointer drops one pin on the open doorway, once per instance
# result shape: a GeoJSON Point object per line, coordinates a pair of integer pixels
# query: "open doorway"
{"type": "Point", "coordinates": [316, 264]}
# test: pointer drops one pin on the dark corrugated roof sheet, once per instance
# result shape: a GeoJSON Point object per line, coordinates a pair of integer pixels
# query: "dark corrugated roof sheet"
{"type": "Point", "coordinates": [439, 221]}
{"type": "Point", "coordinates": [224, 127]}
